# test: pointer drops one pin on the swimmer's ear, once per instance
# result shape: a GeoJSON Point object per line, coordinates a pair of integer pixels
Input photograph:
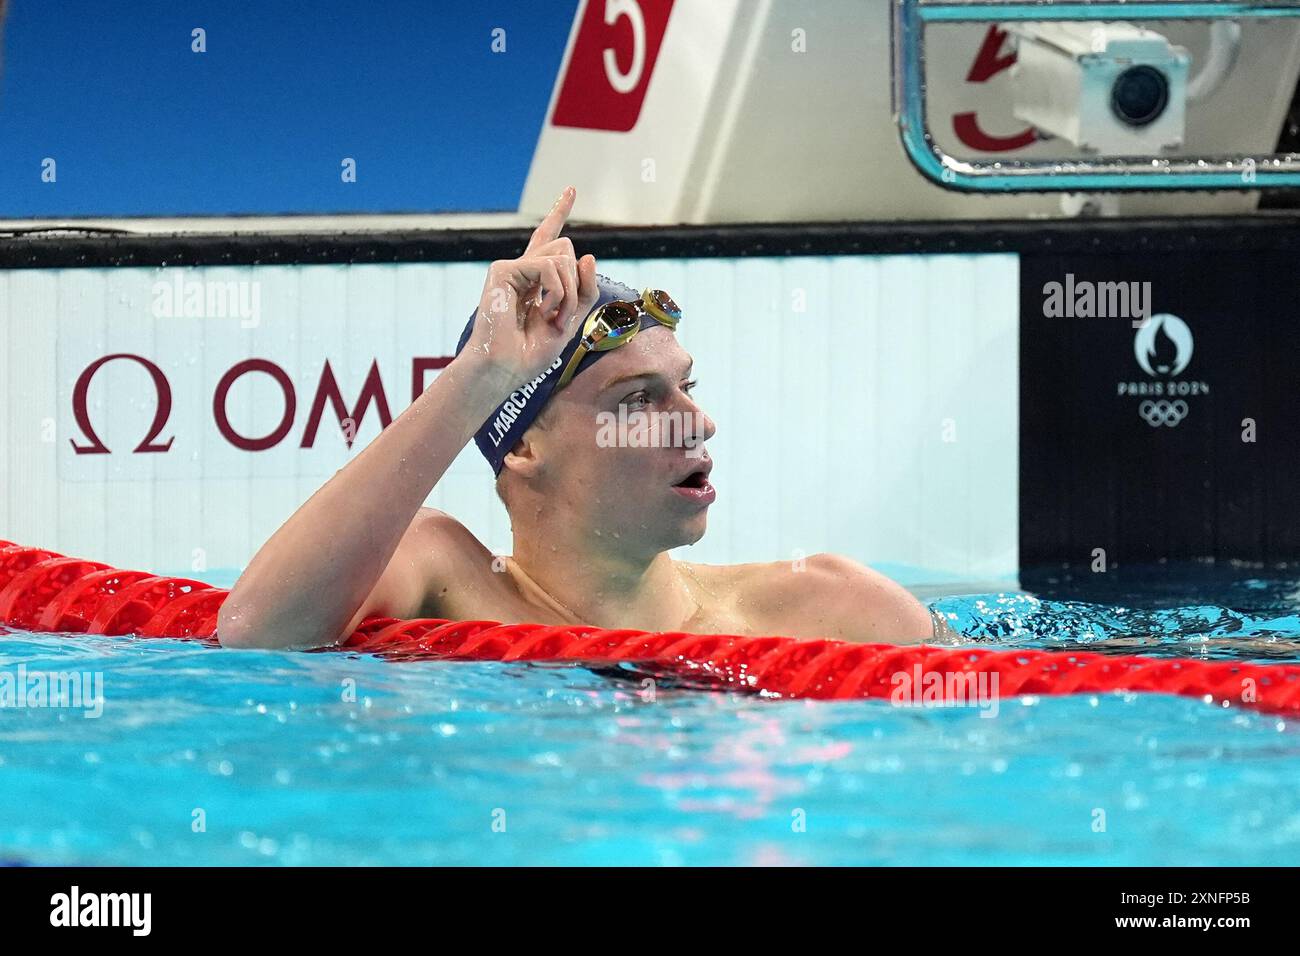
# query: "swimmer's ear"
{"type": "Point", "coordinates": [524, 459]}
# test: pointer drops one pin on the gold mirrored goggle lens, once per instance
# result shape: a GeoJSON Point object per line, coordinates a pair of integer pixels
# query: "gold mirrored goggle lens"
{"type": "Point", "coordinates": [620, 322]}
{"type": "Point", "coordinates": [661, 305]}
{"type": "Point", "coordinates": [615, 323]}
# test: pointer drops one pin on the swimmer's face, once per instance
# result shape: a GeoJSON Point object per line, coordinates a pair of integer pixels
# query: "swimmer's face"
{"type": "Point", "coordinates": [620, 479]}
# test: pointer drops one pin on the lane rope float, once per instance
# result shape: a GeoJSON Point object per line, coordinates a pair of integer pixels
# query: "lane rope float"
{"type": "Point", "coordinates": [41, 590]}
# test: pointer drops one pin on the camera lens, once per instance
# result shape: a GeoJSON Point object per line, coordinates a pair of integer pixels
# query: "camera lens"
{"type": "Point", "coordinates": [1140, 95]}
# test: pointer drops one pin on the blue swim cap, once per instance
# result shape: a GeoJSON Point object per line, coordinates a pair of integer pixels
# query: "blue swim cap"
{"type": "Point", "coordinates": [507, 424]}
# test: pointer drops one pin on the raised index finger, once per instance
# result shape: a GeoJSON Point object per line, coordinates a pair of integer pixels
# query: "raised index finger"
{"type": "Point", "coordinates": [549, 228]}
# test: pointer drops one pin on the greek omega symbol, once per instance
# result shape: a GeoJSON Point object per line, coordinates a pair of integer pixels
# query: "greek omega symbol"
{"type": "Point", "coordinates": [82, 413]}
{"type": "Point", "coordinates": [1160, 413]}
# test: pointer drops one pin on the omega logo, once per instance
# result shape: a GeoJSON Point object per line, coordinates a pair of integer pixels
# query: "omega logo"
{"type": "Point", "coordinates": [327, 391]}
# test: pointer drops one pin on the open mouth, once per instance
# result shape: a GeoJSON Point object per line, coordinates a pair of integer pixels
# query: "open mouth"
{"type": "Point", "coordinates": [696, 487]}
{"type": "Point", "coordinates": [696, 479]}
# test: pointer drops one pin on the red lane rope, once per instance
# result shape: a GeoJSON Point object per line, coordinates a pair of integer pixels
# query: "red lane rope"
{"type": "Point", "coordinates": [41, 590]}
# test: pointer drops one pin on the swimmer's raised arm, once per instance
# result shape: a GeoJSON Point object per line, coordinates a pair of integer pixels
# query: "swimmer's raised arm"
{"type": "Point", "coordinates": [356, 548]}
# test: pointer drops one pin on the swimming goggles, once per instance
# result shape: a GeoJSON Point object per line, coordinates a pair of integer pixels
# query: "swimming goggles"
{"type": "Point", "coordinates": [617, 323]}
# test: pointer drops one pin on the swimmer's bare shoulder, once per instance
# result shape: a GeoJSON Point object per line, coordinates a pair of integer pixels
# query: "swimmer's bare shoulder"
{"type": "Point", "coordinates": [825, 595]}
{"type": "Point", "coordinates": [463, 578]}
{"type": "Point", "coordinates": [436, 559]}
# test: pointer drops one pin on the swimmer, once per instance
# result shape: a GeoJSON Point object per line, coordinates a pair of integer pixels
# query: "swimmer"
{"type": "Point", "coordinates": [552, 351]}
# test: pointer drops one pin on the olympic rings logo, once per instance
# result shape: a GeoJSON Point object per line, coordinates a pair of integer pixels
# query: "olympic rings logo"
{"type": "Point", "coordinates": [1160, 413]}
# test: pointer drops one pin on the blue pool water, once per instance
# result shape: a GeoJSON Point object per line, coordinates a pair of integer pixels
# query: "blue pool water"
{"type": "Point", "coordinates": [205, 756]}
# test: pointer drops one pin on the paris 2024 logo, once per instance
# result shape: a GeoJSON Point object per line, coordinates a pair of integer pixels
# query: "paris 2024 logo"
{"type": "Point", "coordinates": [1163, 347]}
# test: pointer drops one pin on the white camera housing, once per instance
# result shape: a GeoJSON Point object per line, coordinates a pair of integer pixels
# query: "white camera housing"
{"type": "Point", "coordinates": [1111, 88]}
